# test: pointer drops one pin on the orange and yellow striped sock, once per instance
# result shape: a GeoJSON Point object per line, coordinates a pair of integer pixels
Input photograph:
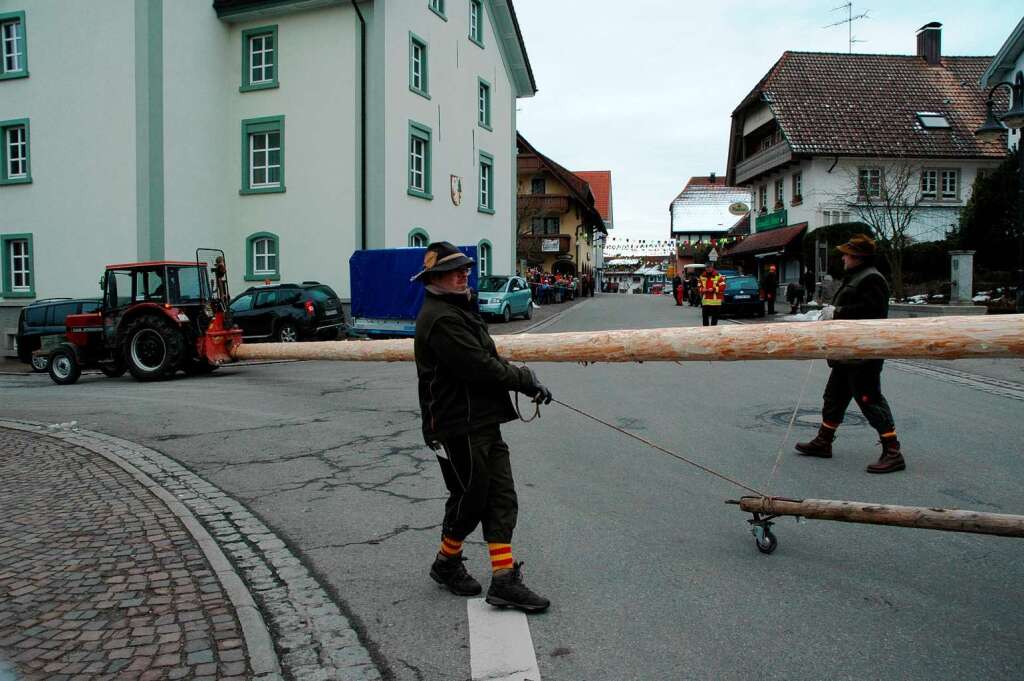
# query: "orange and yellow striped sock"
{"type": "Point", "coordinates": [501, 556]}
{"type": "Point", "coordinates": [450, 547]}
{"type": "Point", "coordinates": [830, 426]}
{"type": "Point", "coordinates": [890, 434]}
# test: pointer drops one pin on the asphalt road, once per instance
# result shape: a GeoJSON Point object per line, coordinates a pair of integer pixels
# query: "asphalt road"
{"type": "Point", "coordinates": [651, 575]}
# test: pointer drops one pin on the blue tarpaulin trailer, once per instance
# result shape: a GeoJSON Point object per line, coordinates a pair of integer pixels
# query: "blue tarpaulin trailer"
{"type": "Point", "coordinates": [384, 301]}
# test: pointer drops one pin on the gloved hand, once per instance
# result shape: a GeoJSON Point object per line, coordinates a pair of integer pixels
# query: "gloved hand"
{"type": "Point", "coordinates": [828, 312]}
{"type": "Point", "coordinates": [534, 389]}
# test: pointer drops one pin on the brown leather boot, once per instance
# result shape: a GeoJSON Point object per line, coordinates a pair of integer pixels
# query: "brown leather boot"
{"type": "Point", "coordinates": [821, 445]}
{"type": "Point", "coordinates": [891, 459]}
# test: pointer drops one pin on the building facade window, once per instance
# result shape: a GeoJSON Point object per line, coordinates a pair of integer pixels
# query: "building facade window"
{"type": "Point", "coordinates": [263, 155]}
{"type": "Point", "coordinates": [17, 270]}
{"type": "Point", "coordinates": [262, 257]}
{"type": "Point", "coordinates": [419, 78]}
{"type": "Point", "coordinates": [13, 46]}
{"type": "Point", "coordinates": [929, 184]}
{"type": "Point", "coordinates": [418, 238]}
{"type": "Point", "coordinates": [476, 22]}
{"type": "Point", "coordinates": [483, 104]}
{"type": "Point", "coordinates": [544, 226]}
{"type": "Point", "coordinates": [762, 198]}
{"type": "Point", "coordinates": [437, 7]}
{"type": "Point", "coordinates": [485, 202]}
{"type": "Point", "coordinates": [483, 251]}
{"type": "Point", "coordinates": [950, 185]}
{"type": "Point", "coordinates": [260, 65]}
{"type": "Point", "coordinates": [419, 161]}
{"type": "Point", "coordinates": [15, 166]}
{"type": "Point", "coordinates": [798, 187]}
{"type": "Point", "coordinates": [869, 183]}
{"type": "Point", "coordinates": [835, 217]}
{"type": "Point", "coordinates": [779, 191]}
{"type": "Point", "coordinates": [538, 186]}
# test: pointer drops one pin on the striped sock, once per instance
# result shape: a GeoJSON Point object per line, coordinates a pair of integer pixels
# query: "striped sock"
{"type": "Point", "coordinates": [830, 426]}
{"type": "Point", "coordinates": [450, 547]}
{"type": "Point", "coordinates": [501, 556]}
{"type": "Point", "coordinates": [890, 434]}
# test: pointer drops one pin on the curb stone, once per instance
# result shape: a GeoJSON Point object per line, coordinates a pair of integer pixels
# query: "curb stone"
{"type": "Point", "coordinates": [316, 641]}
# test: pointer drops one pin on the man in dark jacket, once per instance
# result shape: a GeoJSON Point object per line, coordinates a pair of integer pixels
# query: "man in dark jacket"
{"type": "Point", "coordinates": [770, 284]}
{"type": "Point", "coordinates": [463, 392]}
{"type": "Point", "coordinates": [677, 289]}
{"type": "Point", "coordinates": [864, 294]}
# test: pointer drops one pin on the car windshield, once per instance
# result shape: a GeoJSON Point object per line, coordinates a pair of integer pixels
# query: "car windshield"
{"type": "Point", "coordinates": [736, 283]}
{"type": "Point", "coordinates": [493, 284]}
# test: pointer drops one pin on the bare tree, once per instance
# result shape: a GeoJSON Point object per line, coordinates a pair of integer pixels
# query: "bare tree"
{"type": "Point", "coordinates": [887, 195]}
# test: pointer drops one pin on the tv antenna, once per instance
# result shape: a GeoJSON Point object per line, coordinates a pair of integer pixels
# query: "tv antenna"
{"type": "Point", "coordinates": [850, 18]}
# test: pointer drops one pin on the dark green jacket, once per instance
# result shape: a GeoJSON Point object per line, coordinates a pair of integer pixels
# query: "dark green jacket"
{"type": "Point", "coordinates": [864, 294]}
{"type": "Point", "coordinates": [463, 383]}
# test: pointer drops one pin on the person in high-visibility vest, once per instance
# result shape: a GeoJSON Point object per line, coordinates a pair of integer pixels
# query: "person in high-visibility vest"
{"type": "Point", "coordinates": [712, 290]}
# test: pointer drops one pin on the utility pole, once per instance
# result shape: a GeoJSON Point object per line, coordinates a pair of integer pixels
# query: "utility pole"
{"type": "Point", "coordinates": [850, 18]}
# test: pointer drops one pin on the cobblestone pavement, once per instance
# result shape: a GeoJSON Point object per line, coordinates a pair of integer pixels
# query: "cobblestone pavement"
{"type": "Point", "coordinates": [106, 572]}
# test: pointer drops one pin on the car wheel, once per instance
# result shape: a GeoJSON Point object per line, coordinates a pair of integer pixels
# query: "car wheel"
{"type": "Point", "coordinates": [153, 348]}
{"type": "Point", "coordinates": [63, 365]}
{"type": "Point", "coordinates": [529, 311]}
{"type": "Point", "coordinates": [287, 332]}
{"type": "Point", "coordinates": [506, 313]}
{"type": "Point", "coordinates": [40, 363]}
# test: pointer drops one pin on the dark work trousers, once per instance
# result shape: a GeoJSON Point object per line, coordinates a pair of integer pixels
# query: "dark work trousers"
{"type": "Point", "coordinates": [709, 314]}
{"type": "Point", "coordinates": [770, 298]}
{"type": "Point", "coordinates": [478, 475]}
{"type": "Point", "coordinates": [860, 382]}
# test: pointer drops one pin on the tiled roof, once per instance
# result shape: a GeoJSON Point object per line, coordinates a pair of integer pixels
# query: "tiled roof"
{"type": "Point", "coordinates": [600, 182]}
{"type": "Point", "coordinates": [775, 239]}
{"type": "Point", "coordinates": [866, 104]}
{"type": "Point", "coordinates": [703, 206]}
{"type": "Point", "coordinates": [577, 185]}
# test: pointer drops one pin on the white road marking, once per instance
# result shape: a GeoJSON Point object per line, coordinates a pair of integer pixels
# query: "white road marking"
{"type": "Point", "coordinates": [500, 646]}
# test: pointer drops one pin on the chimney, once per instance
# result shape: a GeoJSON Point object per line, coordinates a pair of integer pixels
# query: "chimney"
{"type": "Point", "coordinates": [711, 177]}
{"type": "Point", "coordinates": [929, 43]}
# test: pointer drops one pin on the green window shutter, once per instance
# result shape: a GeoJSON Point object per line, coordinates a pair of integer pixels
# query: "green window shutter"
{"type": "Point", "coordinates": [437, 7]}
{"type": "Point", "coordinates": [419, 66]}
{"type": "Point", "coordinates": [15, 152]}
{"type": "Point", "coordinates": [263, 155]}
{"type": "Point", "coordinates": [476, 22]}
{"type": "Point", "coordinates": [18, 268]}
{"type": "Point", "coordinates": [260, 59]}
{"type": "Point", "coordinates": [418, 238]}
{"type": "Point", "coordinates": [419, 167]}
{"type": "Point", "coordinates": [262, 257]}
{"type": "Point", "coordinates": [483, 104]}
{"type": "Point", "coordinates": [485, 184]}
{"type": "Point", "coordinates": [13, 46]}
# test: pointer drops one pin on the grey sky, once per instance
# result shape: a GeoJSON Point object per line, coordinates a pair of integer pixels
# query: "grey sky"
{"type": "Point", "coordinates": [644, 88]}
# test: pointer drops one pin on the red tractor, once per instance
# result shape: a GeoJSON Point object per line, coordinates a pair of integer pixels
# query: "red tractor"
{"type": "Point", "coordinates": [156, 318]}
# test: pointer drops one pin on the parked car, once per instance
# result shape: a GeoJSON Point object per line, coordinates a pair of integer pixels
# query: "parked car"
{"type": "Point", "coordinates": [42, 323]}
{"type": "Point", "coordinates": [743, 295]}
{"type": "Point", "coordinates": [505, 297]}
{"type": "Point", "coordinates": [289, 312]}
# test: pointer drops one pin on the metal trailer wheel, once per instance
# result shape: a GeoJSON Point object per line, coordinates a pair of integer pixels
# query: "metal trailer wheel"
{"type": "Point", "coordinates": [766, 543]}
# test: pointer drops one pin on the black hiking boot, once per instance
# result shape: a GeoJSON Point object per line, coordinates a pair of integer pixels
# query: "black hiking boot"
{"type": "Point", "coordinates": [507, 590]}
{"type": "Point", "coordinates": [820, 446]}
{"type": "Point", "coordinates": [451, 574]}
{"type": "Point", "coordinates": [891, 459]}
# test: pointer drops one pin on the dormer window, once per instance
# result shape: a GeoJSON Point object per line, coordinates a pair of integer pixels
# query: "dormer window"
{"type": "Point", "coordinates": [930, 119]}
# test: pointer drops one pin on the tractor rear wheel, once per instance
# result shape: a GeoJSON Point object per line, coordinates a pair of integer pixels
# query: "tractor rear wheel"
{"type": "Point", "coordinates": [154, 348]}
{"type": "Point", "coordinates": [64, 367]}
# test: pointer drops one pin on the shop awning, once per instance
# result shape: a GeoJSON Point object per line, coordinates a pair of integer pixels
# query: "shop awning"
{"type": "Point", "coordinates": [772, 240]}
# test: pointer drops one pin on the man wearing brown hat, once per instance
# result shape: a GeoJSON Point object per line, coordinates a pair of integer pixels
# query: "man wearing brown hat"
{"type": "Point", "coordinates": [463, 392]}
{"type": "Point", "coordinates": [863, 294]}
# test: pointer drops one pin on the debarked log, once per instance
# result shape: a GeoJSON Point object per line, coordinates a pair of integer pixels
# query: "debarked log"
{"type": "Point", "coordinates": [949, 520]}
{"type": "Point", "coordinates": [922, 338]}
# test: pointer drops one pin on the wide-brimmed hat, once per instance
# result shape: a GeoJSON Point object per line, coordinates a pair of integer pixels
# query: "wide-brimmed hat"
{"type": "Point", "coordinates": [859, 245]}
{"type": "Point", "coordinates": [442, 256]}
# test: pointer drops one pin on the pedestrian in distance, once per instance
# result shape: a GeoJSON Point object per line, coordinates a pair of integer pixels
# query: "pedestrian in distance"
{"type": "Point", "coordinates": [693, 286]}
{"type": "Point", "coordinates": [809, 283]}
{"type": "Point", "coordinates": [464, 398]}
{"type": "Point", "coordinates": [794, 296]}
{"type": "Point", "coordinates": [771, 288]}
{"type": "Point", "coordinates": [863, 294]}
{"type": "Point", "coordinates": [677, 289]}
{"type": "Point", "coordinates": [712, 291]}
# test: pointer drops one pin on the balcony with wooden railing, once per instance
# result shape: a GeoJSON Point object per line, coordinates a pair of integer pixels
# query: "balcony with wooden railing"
{"type": "Point", "coordinates": [764, 161]}
{"type": "Point", "coordinates": [543, 204]}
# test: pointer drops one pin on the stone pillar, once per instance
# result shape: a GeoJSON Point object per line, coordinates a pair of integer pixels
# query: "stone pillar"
{"type": "Point", "coordinates": [962, 277]}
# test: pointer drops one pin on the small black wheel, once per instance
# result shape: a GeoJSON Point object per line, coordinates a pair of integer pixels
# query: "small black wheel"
{"type": "Point", "coordinates": [39, 363]}
{"type": "Point", "coordinates": [768, 543]}
{"type": "Point", "coordinates": [287, 332]}
{"type": "Point", "coordinates": [64, 367]}
{"type": "Point", "coordinates": [529, 311]}
{"type": "Point", "coordinates": [506, 314]}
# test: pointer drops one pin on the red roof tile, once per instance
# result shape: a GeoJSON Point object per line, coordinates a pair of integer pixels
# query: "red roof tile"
{"type": "Point", "coordinates": [866, 104]}
{"type": "Point", "coordinates": [600, 182]}
{"type": "Point", "coordinates": [767, 241]}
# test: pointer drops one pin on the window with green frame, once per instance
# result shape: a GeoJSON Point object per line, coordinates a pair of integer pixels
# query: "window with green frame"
{"type": "Point", "coordinates": [419, 67]}
{"type": "Point", "coordinates": [13, 46]}
{"type": "Point", "coordinates": [15, 159]}
{"type": "Point", "coordinates": [484, 253]}
{"type": "Point", "coordinates": [17, 268]}
{"type": "Point", "coordinates": [262, 257]}
{"type": "Point", "coordinates": [260, 59]}
{"type": "Point", "coordinates": [419, 161]}
{"type": "Point", "coordinates": [437, 7]}
{"type": "Point", "coordinates": [476, 22]}
{"type": "Point", "coordinates": [485, 184]}
{"type": "Point", "coordinates": [263, 155]}
{"type": "Point", "coordinates": [483, 104]}
{"type": "Point", "coordinates": [418, 238]}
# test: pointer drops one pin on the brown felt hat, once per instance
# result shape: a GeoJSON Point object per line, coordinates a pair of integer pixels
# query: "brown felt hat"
{"type": "Point", "coordinates": [442, 256]}
{"type": "Point", "coordinates": [859, 245]}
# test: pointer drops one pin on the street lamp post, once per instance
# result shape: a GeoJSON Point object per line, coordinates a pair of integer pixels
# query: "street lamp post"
{"type": "Point", "coordinates": [993, 127]}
